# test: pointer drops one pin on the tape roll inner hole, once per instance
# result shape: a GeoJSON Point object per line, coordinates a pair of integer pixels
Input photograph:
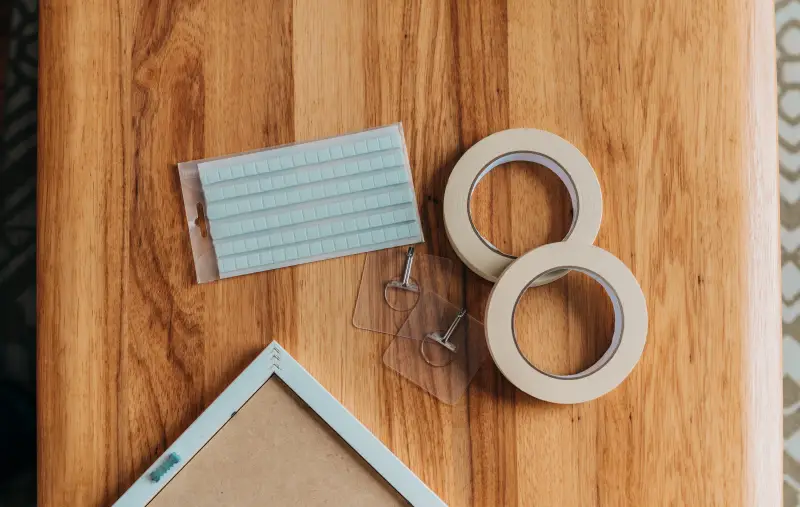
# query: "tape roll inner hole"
{"type": "Point", "coordinates": [524, 156]}
{"type": "Point", "coordinates": [616, 337]}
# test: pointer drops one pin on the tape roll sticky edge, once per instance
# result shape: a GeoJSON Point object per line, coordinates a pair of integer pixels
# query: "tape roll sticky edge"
{"type": "Point", "coordinates": [630, 323]}
{"type": "Point", "coordinates": [572, 167]}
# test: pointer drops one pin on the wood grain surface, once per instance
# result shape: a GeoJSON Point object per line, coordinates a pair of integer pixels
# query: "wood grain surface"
{"type": "Point", "coordinates": [672, 102]}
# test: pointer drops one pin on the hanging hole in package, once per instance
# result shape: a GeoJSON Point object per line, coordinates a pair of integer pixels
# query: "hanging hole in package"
{"type": "Point", "coordinates": [288, 205]}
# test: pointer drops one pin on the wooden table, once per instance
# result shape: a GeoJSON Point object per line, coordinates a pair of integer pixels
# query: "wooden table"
{"type": "Point", "coordinates": [673, 103]}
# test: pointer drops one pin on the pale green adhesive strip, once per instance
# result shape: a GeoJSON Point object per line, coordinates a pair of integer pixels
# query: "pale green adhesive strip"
{"type": "Point", "coordinates": [310, 201]}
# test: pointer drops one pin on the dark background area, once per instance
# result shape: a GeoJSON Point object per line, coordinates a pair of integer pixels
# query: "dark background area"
{"type": "Point", "coordinates": [18, 79]}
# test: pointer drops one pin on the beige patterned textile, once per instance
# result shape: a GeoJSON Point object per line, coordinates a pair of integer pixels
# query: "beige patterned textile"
{"type": "Point", "coordinates": [787, 17]}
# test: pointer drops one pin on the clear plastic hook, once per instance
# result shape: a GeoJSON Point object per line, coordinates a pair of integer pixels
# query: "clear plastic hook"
{"type": "Point", "coordinates": [392, 283]}
{"type": "Point", "coordinates": [439, 348]}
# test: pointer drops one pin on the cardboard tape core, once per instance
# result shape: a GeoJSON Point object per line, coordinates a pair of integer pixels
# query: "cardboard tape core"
{"type": "Point", "coordinates": [630, 322]}
{"type": "Point", "coordinates": [522, 156]}
{"type": "Point", "coordinates": [615, 337]}
{"type": "Point", "coordinates": [526, 145]}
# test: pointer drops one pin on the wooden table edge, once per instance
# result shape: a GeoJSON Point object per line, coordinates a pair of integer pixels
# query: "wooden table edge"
{"type": "Point", "coordinates": [762, 350]}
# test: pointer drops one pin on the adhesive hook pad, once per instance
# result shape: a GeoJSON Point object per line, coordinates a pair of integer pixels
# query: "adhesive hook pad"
{"type": "Point", "coordinates": [383, 304]}
{"type": "Point", "coordinates": [442, 368]}
{"type": "Point", "coordinates": [530, 145]}
{"type": "Point", "coordinates": [630, 322]}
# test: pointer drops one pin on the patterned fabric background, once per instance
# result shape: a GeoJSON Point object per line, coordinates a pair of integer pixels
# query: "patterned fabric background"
{"type": "Point", "coordinates": [18, 256]}
{"type": "Point", "coordinates": [788, 40]}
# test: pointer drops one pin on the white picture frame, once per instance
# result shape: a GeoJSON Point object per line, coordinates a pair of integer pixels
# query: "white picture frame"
{"type": "Point", "coordinates": [274, 360]}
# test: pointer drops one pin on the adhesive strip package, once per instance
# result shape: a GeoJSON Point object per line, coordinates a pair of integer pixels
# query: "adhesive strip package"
{"type": "Point", "coordinates": [299, 203]}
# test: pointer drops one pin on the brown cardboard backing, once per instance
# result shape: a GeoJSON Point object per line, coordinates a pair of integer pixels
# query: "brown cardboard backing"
{"type": "Point", "coordinates": [276, 451]}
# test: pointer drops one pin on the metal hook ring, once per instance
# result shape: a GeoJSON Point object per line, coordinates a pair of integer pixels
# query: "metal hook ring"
{"type": "Point", "coordinates": [426, 339]}
{"type": "Point", "coordinates": [397, 285]}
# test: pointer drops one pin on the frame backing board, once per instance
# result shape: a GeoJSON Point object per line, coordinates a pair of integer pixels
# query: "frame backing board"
{"type": "Point", "coordinates": [238, 466]}
{"type": "Point", "coordinates": [235, 452]}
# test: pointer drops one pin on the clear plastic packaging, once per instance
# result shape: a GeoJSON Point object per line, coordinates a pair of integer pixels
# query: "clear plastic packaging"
{"type": "Point", "coordinates": [287, 205]}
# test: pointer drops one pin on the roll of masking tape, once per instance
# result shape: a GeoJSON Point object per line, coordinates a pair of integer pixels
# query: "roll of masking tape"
{"type": "Point", "coordinates": [630, 322]}
{"type": "Point", "coordinates": [528, 145]}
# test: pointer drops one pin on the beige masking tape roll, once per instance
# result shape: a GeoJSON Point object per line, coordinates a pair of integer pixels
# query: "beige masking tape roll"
{"type": "Point", "coordinates": [630, 322]}
{"type": "Point", "coordinates": [528, 145]}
